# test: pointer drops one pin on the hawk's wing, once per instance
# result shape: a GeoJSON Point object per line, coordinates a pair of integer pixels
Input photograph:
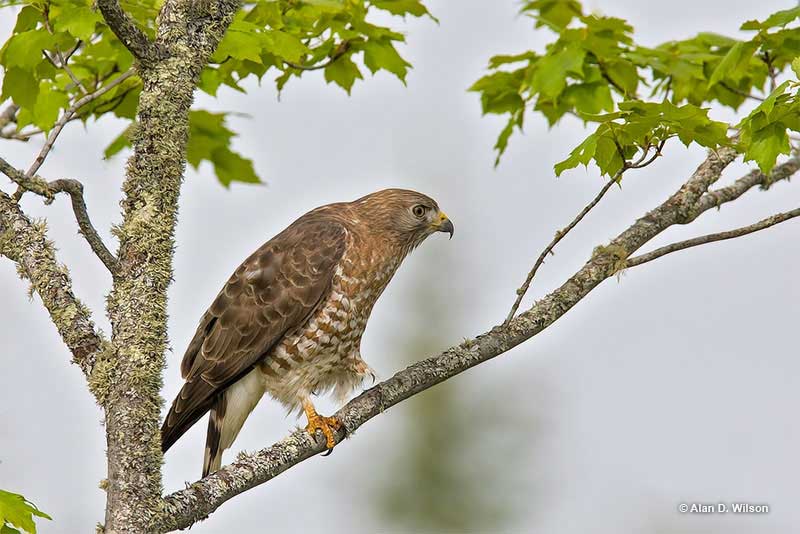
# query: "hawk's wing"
{"type": "Point", "coordinates": [271, 294]}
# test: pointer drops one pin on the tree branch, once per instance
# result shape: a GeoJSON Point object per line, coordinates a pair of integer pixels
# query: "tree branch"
{"type": "Point", "coordinates": [183, 508]}
{"type": "Point", "coordinates": [127, 31]}
{"type": "Point", "coordinates": [341, 50]}
{"type": "Point", "coordinates": [8, 115]}
{"type": "Point", "coordinates": [711, 238]}
{"type": "Point", "coordinates": [75, 190]}
{"type": "Point", "coordinates": [739, 92]}
{"type": "Point", "coordinates": [25, 242]}
{"type": "Point", "coordinates": [65, 118]}
{"type": "Point", "coordinates": [717, 197]}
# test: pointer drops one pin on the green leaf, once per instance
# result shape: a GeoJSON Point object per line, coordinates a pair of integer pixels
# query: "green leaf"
{"type": "Point", "coordinates": [515, 121]}
{"type": "Point", "coordinates": [624, 74]}
{"type": "Point", "coordinates": [232, 167]}
{"type": "Point", "coordinates": [342, 72]}
{"type": "Point", "coordinates": [119, 143]}
{"type": "Point", "coordinates": [209, 81]}
{"type": "Point", "coordinates": [500, 91]}
{"type": "Point", "coordinates": [24, 50]}
{"type": "Point", "coordinates": [555, 14]}
{"type": "Point", "coordinates": [239, 44]}
{"type": "Point", "coordinates": [210, 140]}
{"type": "Point", "coordinates": [27, 19]}
{"type": "Point", "coordinates": [796, 66]}
{"type": "Point", "coordinates": [734, 60]}
{"type": "Point", "coordinates": [48, 106]}
{"type": "Point", "coordinates": [18, 512]}
{"type": "Point", "coordinates": [78, 21]}
{"type": "Point", "coordinates": [550, 76]}
{"type": "Point", "coordinates": [20, 86]}
{"type": "Point", "coordinates": [589, 97]}
{"type": "Point", "coordinates": [580, 155]}
{"type": "Point", "coordinates": [402, 7]}
{"type": "Point", "coordinates": [286, 45]}
{"type": "Point", "coordinates": [780, 18]}
{"type": "Point", "coordinates": [381, 54]}
{"type": "Point", "coordinates": [766, 145]}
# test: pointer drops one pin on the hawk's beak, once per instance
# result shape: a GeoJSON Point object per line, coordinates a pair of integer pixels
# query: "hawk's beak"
{"type": "Point", "coordinates": [443, 224]}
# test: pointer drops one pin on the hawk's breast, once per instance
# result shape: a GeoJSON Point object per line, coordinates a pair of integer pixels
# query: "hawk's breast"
{"type": "Point", "coordinates": [324, 353]}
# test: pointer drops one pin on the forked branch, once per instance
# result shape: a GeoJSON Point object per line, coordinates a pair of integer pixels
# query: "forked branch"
{"type": "Point", "coordinates": [74, 189]}
{"type": "Point", "coordinates": [643, 161]}
{"type": "Point", "coordinates": [67, 115]}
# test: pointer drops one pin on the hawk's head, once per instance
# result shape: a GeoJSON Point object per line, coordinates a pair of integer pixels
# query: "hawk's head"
{"type": "Point", "coordinates": [402, 214]}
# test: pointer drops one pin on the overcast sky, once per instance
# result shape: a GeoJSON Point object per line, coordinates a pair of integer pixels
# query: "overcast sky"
{"type": "Point", "coordinates": [677, 383]}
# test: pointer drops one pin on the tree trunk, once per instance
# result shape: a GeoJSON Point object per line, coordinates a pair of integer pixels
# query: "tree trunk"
{"type": "Point", "coordinates": [137, 306]}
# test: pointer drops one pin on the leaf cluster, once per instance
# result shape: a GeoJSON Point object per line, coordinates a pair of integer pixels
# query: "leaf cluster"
{"type": "Point", "coordinates": [641, 96]}
{"type": "Point", "coordinates": [17, 513]}
{"type": "Point", "coordinates": [61, 50]}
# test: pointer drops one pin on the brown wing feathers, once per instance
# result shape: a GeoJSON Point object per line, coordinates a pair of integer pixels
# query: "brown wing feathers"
{"type": "Point", "coordinates": [272, 293]}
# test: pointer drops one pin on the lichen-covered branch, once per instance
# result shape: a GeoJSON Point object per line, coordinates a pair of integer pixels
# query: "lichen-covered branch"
{"type": "Point", "coordinates": [25, 242]}
{"type": "Point", "coordinates": [717, 197]}
{"type": "Point", "coordinates": [75, 190]}
{"type": "Point", "coordinates": [127, 31]}
{"type": "Point", "coordinates": [183, 508]}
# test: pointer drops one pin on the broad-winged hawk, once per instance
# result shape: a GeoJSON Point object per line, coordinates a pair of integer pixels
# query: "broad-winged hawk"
{"type": "Point", "coordinates": [289, 320]}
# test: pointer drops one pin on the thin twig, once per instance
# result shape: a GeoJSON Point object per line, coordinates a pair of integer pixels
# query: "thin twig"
{"type": "Point", "coordinates": [773, 75]}
{"type": "Point", "coordinates": [549, 248]}
{"type": "Point", "coordinates": [59, 125]}
{"type": "Point", "coordinates": [69, 72]}
{"type": "Point", "coordinates": [74, 189]}
{"type": "Point", "coordinates": [642, 163]}
{"type": "Point", "coordinates": [73, 50]}
{"type": "Point", "coordinates": [710, 238]}
{"type": "Point", "coordinates": [638, 164]}
{"type": "Point", "coordinates": [62, 62]}
{"type": "Point", "coordinates": [740, 92]}
{"type": "Point", "coordinates": [341, 50]}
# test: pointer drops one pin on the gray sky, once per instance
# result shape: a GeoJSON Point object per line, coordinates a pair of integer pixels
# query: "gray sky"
{"type": "Point", "coordinates": [677, 383]}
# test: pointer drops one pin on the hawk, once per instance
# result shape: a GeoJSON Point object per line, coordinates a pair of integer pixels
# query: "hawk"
{"type": "Point", "coordinates": [289, 321]}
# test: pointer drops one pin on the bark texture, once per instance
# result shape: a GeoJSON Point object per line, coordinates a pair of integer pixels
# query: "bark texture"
{"type": "Point", "coordinates": [137, 306]}
{"type": "Point", "coordinates": [183, 508]}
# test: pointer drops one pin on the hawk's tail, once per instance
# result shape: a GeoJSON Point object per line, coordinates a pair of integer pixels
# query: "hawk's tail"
{"type": "Point", "coordinates": [227, 416]}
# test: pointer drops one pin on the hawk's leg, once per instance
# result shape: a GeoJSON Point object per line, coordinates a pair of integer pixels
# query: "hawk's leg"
{"type": "Point", "coordinates": [328, 425]}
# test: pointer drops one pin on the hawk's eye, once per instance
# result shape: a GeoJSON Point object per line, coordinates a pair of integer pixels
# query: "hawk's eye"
{"type": "Point", "coordinates": [418, 211]}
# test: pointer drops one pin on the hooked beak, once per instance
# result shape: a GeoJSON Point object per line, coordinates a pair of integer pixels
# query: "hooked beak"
{"type": "Point", "coordinates": [443, 224]}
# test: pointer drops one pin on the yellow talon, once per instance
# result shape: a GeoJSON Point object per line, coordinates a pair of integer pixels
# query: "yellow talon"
{"type": "Point", "coordinates": [327, 425]}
